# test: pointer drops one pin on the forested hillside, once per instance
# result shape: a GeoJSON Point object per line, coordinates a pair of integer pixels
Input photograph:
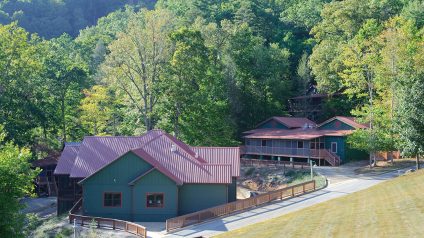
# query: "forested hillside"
{"type": "Point", "coordinates": [207, 70]}
{"type": "Point", "coordinates": [52, 18]}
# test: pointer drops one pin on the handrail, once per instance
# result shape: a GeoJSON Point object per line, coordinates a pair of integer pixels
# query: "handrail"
{"type": "Point", "coordinates": [252, 162]}
{"type": "Point", "coordinates": [76, 207]}
{"type": "Point", "coordinates": [237, 206]}
{"type": "Point", "coordinates": [115, 224]}
{"type": "Point", "coordinates": [292, 152]}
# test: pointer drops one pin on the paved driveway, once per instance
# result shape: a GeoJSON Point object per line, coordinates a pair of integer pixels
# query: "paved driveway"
{"type": "Point", "coordinates": [347, 185]}
{"type": "Point", "coordinates": [341, 173]}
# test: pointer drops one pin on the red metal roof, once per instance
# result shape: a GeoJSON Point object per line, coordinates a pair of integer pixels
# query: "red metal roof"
{"type": "Point", "coordinates": [178, 161]}
{"type": "Point", "coordinates": [182, 164]}
{"type": "Point", "coordinates": [97, 151]}
{"type": "Point", "coordinates": [67, 159]}
{"type": "Point", "coordinates": [299, 134]}
{"type": "Point", "coordinates": [221, 155]}
{"type": "Point", "coordinates": [291, 122]}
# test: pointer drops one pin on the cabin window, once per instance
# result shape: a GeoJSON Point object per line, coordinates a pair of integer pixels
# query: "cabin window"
{"type": "Point", "coordinates": [267, 143]}
{"type": "Point", "coordinates": [321, 145]}
{"type": "Point", "coordinates": [112, 199]}
{"type": "Point", "coordinates": [300, 144]}
{"type": "Point", "coordinates": [154, 200]}
{"type": "Point", "coordinates": [334, 147]}
{"type": "Point", "coordinates": [312, 145]}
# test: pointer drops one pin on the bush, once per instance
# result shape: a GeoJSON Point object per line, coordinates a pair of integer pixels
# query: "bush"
{"type": "Point", "coordinates": [249, 171]}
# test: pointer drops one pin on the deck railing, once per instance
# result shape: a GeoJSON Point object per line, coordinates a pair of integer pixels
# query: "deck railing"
{"type": "Point", "coordinates": [271, 150]}
{"type": "Point", "coordinates": [237, 206]}
{"type": "Point", "coordinates": [259, 162]}
{"type": "Point", "coordinates": [102, 222]}
{"type": "Point", "coordinates": [332, 158]}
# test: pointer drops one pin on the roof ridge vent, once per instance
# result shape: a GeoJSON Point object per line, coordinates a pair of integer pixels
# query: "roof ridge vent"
{"type": "Point", "coordinates": [173, 148]}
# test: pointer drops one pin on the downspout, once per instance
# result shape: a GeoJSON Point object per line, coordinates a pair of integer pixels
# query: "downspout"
{"type": "Point", "coordinates": [227, 193]}
{"type": "Point", "coordinates": [132, 203]}
{"type": "Point", "coordinates": [178, 200]}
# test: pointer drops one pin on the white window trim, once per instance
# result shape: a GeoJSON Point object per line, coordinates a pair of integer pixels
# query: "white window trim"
{"type": "Point", "coordinates": [333, 143]}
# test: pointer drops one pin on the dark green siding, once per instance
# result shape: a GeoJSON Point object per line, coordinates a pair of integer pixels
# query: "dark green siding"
{"type": "Point", "coordinates": [113, 178]}
{"type": "Point", "coordinates": [177, 200]}
{"type": "Point", "coordinates": [273, 124]}
{"type": "Point", "coordinates": [195, 197]}
{"type": "Point", "coordinates": [336, 125]}
{"type": "Point", "coordinates": [355, 154]}
{"type": "Point", "coordinates": [155, 182]}
{"type": "Point", "coordinates": [340, 145]}
{"type": "Point", "coordinates": [232, 191]}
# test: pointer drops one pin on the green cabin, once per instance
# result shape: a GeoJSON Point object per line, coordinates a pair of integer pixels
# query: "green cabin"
{"type": "Point", "coordinates": [156, 179]}
{"type": "Point", "coordinates": [296, 138]}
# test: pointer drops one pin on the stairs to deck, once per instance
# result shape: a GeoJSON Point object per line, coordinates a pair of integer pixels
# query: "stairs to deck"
{"type": "Point", "coordinates": [330, 157]}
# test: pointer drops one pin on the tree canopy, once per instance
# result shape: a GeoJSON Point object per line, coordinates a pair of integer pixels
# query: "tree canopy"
{"type": "Point", "coordinates": [205, 71]}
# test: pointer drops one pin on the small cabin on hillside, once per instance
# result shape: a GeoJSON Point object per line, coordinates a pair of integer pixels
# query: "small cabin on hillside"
{"type": "Point", "coordinates": [45, 182]}
{"type": "Point", "coordinates": [297, 138]}
{"type": "Point", "coordinates": [68, 190]}
{"type": "Point", "coordinates": [152, 177]}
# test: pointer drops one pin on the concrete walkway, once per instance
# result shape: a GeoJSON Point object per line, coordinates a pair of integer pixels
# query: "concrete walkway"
{"type": "Point", "coordinates": [340, 188]}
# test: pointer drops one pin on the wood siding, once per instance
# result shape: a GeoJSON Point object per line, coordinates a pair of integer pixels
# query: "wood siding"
{"type": "Point", "coordinates": [155, 182]}
{"type": "Point", "coordinates": [113, 178]}
{"type": "Point", "coordinates": [195, 197]}
{"type": "Point", "coordinates": [336, 125]}
{"type": "Point", "coordinates": [178, 200]}
{"type": "Point", "coordinates": [341, 145]}
{"type": "Point", "coordinates": [272, 124]}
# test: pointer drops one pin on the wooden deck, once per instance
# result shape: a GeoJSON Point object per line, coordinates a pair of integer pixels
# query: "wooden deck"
{"type": "Point", "coordinates": [325, 154]}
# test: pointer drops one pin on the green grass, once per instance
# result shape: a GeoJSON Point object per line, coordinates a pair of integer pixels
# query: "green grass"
{"type": "Point", "coordinates": [391, 209]}
{"type": "Point", "coordinates": [53, 227]}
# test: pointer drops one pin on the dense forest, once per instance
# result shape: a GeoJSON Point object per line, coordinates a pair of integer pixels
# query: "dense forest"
{"type": "Point", "coordinates": [205, 70]}
{"type": "Point", "coordinates": [52, 18]}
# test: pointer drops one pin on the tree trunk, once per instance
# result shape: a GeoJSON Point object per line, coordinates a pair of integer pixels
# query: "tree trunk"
{"type": "Point", "coordinates": [63, 120]}
{"type": "Point", "coordinates": [177, 121]}
{"type": "Point", "coordinates": [418, 161]}
{"type": "Point", "coordinates": [372, 158]}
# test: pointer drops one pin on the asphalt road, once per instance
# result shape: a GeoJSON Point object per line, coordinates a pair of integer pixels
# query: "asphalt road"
{"type": "Point", "coordinates": [334, 190]}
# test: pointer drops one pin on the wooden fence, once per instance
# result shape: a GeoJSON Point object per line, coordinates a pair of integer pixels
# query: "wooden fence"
{"type": "Point", "coordinates": [288, 164]}
{"type": "Point", "coordinates": [237, 206]}
{"type": "Point", "coordinates": [101, 222]}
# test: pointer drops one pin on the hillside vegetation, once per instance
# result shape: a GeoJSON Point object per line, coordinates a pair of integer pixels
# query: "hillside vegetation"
{"type": "Point", "coordinates": [391, 209]}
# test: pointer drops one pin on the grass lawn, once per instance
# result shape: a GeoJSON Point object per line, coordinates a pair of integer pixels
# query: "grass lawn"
{"type": "Point", "coordinates": [391, 209]}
